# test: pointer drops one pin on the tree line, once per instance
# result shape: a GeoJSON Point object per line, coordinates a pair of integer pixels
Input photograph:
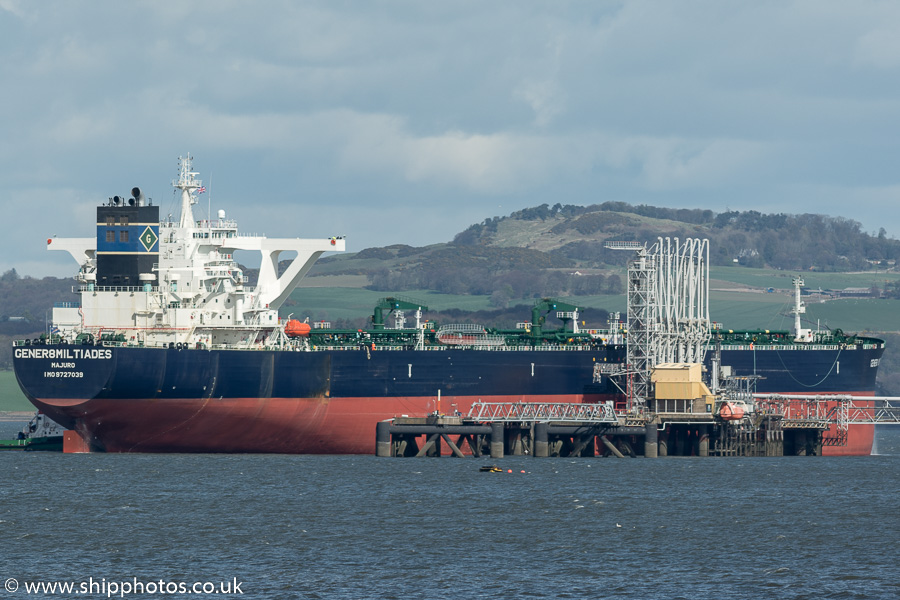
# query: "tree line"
{"type": "Point", "coordinates": [748, 238]}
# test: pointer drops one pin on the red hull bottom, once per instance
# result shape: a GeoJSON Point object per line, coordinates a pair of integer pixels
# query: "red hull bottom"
{"type": "Point", "coordinates": [859, 438]}
{"type": "Point", "coordinates": [285, 425]}
{"type": "Point", "coordinates": [859, 442]}
{"type": "Point", "coordinates": [264, 425]}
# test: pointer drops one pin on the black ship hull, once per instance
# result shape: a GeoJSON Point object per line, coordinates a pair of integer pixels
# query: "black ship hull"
{"type": "Point", "coordinates": [198, 400]}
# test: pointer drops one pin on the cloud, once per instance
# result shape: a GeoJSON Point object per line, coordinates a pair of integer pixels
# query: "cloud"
{"type": "Point", "coordinates": [390, 113]}
{"type": "Point", "coordinates": [546, 98]}
{"type": "Point", "coordinates": [483, 163]}
{"type": "Point", "coordinates": [12, 6]}
{"type": "Point", "coordinates": [674, 164]}
{"type": "Point", "coordinates": [879, 48]}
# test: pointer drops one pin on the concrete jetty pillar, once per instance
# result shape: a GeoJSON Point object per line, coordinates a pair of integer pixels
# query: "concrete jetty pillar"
{"type": "Point", "coordinates": [383, 439]}
{"type": "Point", "coordinates": [497, 431]}
{"type": "Point", "coordinates": [703, 449]}
{"type": "Point", "coordinates": [541, 440]}
{"type": "Point", "coordinates": [651, 441]}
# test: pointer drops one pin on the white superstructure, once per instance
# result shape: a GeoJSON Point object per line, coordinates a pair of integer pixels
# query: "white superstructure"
{"type": "Point", "coordinates": [196, 293]}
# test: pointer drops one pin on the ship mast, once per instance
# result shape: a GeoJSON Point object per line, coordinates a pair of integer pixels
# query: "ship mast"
{"type": "Point", "coordinates": [187, 182]}
{"type": "Point", "coordinates": [800, 334]}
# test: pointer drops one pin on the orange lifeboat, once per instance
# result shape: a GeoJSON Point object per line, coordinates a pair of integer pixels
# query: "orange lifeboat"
{"type": "Point", "coordinates": [731, 412]}
{"type": "Point", "coordinates": [295, 328]}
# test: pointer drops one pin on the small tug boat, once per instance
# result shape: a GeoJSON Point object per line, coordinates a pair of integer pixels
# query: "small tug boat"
{"type": "Point", "coordinates": [41, 433]}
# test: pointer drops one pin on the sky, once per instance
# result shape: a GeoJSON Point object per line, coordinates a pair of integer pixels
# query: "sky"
{"type": "Point", "coordinates": [406, 122]}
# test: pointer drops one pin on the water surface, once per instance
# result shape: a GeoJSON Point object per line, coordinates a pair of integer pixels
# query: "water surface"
{"type": "Point", "coordinates": [367, 527]}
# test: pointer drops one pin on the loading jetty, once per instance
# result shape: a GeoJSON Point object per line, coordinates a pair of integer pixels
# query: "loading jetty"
{"type": "Point", "coordinates": [766, 434]}
{"type": "Point", "coordinates": [680, 391]}
{"type": "Point", "coordinates": [683, 419]}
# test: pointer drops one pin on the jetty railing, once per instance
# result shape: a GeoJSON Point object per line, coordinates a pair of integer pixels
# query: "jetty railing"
{"type": "Point", "coordinates": [550, 412]}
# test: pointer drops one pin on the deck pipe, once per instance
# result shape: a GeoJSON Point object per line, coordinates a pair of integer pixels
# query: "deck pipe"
{"type": "Point", "coordinates": [447, 429]}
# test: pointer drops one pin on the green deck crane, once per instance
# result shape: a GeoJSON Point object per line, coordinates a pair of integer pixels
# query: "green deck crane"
{"type": "Point", "coordinates": [392, 304]}
{"type": "Point", "coordinates": [564, 311]}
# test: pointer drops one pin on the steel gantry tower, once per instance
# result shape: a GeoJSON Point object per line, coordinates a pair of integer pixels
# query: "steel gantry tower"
{"type": "Point", "coordinates": [668, 308]}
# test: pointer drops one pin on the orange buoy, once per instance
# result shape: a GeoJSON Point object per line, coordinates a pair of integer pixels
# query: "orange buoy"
{"type": "Point", "coordinates": [295, 328]}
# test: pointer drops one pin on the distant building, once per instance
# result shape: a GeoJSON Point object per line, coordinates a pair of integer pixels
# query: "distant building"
{"type": "Point", "coordinates": [855, 292]}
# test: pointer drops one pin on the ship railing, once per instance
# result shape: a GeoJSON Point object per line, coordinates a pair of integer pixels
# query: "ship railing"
{"type": "Point", "coordinates": [349, 346]}
{"type": "Point", "coordinates": [204, 224]}
{"type": "Point", "coordinates": [217, 223]}
{"type": "Point", "coordinates": [516, 348]}
{"type": "Point", "coordinates": [461, 328]}
{"type": "Point", "coordinates": [548, 412]}
{"type": "Point", "coordinates": [622, 245]}
{"type": "Point", "coordinates": [115, 344]}
{"type": "Point", "coordinates": [111, 288]}
{"type": "Point", "coordinates": [783, 347]}
{"type": "Point", "coordinates": [67, 305]}
{"type": "Point", "coordinates": [449, 348]}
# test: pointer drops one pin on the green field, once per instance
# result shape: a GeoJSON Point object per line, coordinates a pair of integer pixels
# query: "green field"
{"type": "Point", "coordinates": [731, 304]}
{"type": "Point", "coordinates": [328, 303]}
{"type": "Point", "coordinates": [766, 278]}
{"type": "Point", "coordinates": [11, 397]}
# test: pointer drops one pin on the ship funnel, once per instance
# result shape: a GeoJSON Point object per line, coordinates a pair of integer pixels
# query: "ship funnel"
{"type": "Point", "coordinates": [138, 196]}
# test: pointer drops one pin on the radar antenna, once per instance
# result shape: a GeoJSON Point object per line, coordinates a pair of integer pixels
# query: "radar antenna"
{"type": "Point", "coordinates": [188, 183]}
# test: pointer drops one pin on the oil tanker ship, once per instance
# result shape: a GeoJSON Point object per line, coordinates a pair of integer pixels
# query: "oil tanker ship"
{"type": "Point", "coordinates": [170, 349]}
